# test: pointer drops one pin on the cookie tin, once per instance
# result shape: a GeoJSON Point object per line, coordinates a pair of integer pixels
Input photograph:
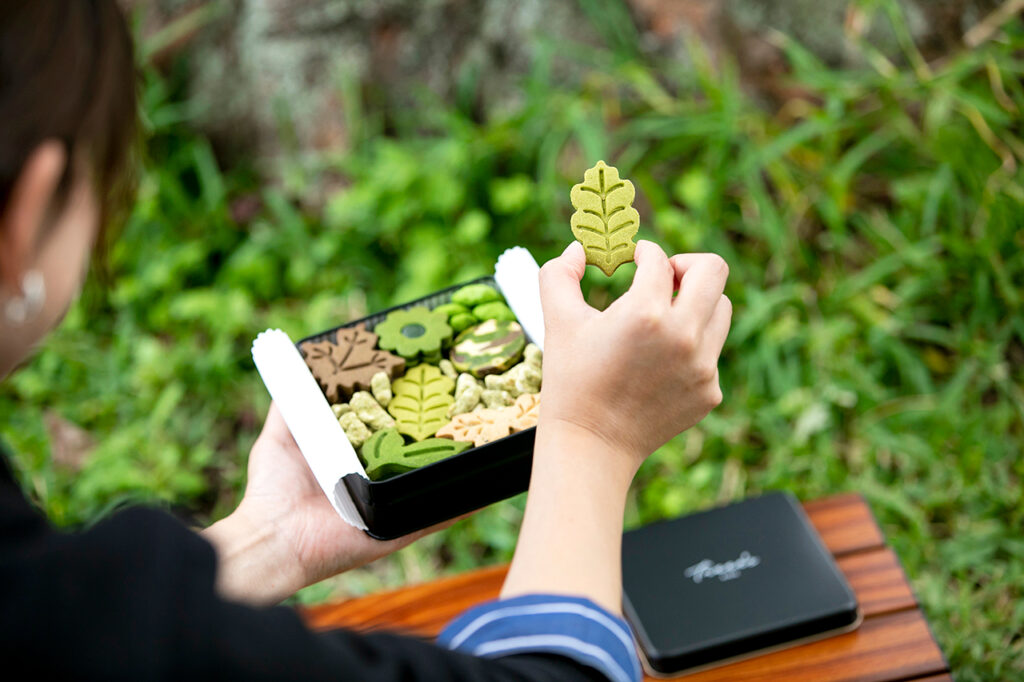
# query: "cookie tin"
{"type": "Point", "coordinates": [430, 494]}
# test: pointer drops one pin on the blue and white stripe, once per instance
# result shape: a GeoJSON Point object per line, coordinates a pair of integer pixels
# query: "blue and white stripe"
{"type": "Point", "coordinates": [569, 626]}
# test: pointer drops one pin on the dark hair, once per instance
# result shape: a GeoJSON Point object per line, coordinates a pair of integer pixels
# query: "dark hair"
{"type": "Point", "coordinates": [67, 72]}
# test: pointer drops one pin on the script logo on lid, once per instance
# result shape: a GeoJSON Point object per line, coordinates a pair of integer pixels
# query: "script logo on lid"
{"type": "Point", "coordinates": [727, 570]}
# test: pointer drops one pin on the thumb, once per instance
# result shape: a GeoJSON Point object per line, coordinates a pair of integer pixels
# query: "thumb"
{"type": "Point", "coordinates": [560, 293]}
{"type": "Point", "coordinates": [275, 428]}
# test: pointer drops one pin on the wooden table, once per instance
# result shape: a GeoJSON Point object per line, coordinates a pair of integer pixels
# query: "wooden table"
{"type": "Point", "coordinates": [894, 642]}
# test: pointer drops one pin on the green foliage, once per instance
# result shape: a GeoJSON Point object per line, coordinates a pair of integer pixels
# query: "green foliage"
{"type": "Point", "coordinates": [871, 220]}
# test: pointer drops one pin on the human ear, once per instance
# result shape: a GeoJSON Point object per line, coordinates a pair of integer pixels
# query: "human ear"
{"type": "Point", "coordinates": [23, 219]}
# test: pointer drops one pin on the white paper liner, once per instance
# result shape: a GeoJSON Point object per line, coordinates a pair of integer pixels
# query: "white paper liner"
{"type": "Point", "coordinates": [307, 413]}
{"type": "Point", "coordinates": [310, 419]}
{"type": "Point", "coordinates": [518, 278]}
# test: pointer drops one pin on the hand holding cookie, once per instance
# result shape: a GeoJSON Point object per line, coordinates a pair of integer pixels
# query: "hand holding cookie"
{"type": "Point", "coordinates": [645, 369]}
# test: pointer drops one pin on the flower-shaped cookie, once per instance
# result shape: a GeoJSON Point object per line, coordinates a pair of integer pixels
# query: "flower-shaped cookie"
{"type": "Point", "coordinates": [414, 332]}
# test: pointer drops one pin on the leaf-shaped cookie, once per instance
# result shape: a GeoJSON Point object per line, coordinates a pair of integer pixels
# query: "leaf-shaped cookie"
{"type": "Point", "coordinates": [421, 400]}
{"type": "Point", "coordinates": [525, 411]}
{"type": "Point", "coordinates": [478, 427]}
{"type": "Point", "coordinates": [605, 220]}
{"type": "Point", "coordinates": [385, 453]}
{"type": "Point", "coordinates": [348, 365]}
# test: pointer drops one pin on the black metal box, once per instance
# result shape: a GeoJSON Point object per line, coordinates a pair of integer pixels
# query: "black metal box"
{"type": "Point", "coordinates": [451, 487]}
{"type": "Point", "coordinates": [729, 583]}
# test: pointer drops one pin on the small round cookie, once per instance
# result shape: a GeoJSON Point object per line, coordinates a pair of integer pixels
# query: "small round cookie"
{"type": "Point", "coordinates": [490, 347]}
{"type": "Point", "coordinates": [473, 295]}
{"type": "Point", "coordinates": [462, 321]}
{"type": "Point", "coordinates": [495, 310]}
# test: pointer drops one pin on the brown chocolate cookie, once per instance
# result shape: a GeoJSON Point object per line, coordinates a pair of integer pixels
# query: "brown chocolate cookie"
{"type": "Point", "coordinates": [347, 365]}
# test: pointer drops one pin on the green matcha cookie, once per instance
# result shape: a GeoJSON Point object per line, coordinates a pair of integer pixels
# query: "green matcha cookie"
{"type": "Point", "coordinates": [605, 220]}
{"type": "Point", "coordinates": [450, 309]}
{"type": "Point", "coordinates": [473, 295]}
{"type": "Point", "coordinates": [421, 401]}
{"type": "Point", "coordinates": [356, 431]}
{"type": "Point", "coordinates": [488, 348]}
{"type": "Point", "coordinates": [414, 333]}
{"type": "Point", "coordinates": [462, 321]}
{"type": "Point", "coordinates": [495, 310]}
{"type": "Point", "coordinates": [386, 454]}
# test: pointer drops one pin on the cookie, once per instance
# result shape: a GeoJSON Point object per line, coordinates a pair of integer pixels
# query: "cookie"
{"type": "Point", "coordinates": [462, 321]}
{"type": "Point", "coordinates": [354, 429]}
{"type": "Point", "coordinates": [385, 453]}
{"type": "Point", "coordinates": [421, 401]}
{"type": "Point", "coordinates": [502, 382]}
{"type": "Point", "coordinates": [473, 295]}
{"type": "Point", "coordinates": [478, 427]}
{"type": "Point", "coordinates": [496, 398]}
{"type": "Point", "coordinates": [495, 310]}
{"type": "Point", "coordinates": [488, 348]}
{"type": "Point", "coordinates": [348, 364]}
{"type": "Point", "coordinates": [533, 356]}
{"type": "Point", "coordinates": [486, 425]}
{"type": "Point", "coordinates": [448, 369]}
{"type": "Point", "coordinates": [605, 220]}
{"type": "Point", "coordinates": [450, 309]}
{"type": "Point", "coordinates": [370, 412]}
{"type": "Point", "coordinates": [522, 378]}
{"type": "Point", "coordinates": [468, 393]}
{"type": "Point", "coordinates": [414, 333]}
{"type": "Point", "coordinates": [380, 386]}
{"type": "Point", "coordinates": [525, 411]}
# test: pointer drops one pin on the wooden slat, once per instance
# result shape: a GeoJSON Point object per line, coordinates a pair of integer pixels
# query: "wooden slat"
{"type": "Point", "coordinates": [875, 576]}
{"type": "Point", "coordinates": [878, 581]}
{"type": "Point", "coordinates": [420, 609]}
{"type": "Point", "coordinates": [894, 642]}
{"type": "Point", "coordinates": [845, 523]}
{"type": "Point", "coordinates": [895, 646]}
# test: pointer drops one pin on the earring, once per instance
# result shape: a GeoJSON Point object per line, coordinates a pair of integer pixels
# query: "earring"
{"type": "Point", "coordinates": [21, 309]}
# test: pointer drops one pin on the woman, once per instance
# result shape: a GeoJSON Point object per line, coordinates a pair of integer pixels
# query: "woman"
{"type": "Point", "coordinates": [139, 596]}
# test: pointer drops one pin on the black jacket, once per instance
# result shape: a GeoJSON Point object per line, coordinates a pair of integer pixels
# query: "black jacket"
{"type": "Point", "coordinates": [133, 598]}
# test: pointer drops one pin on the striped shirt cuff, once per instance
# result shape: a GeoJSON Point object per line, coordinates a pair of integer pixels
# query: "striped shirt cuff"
{"type": "Point", "coordinates": [568, 626]}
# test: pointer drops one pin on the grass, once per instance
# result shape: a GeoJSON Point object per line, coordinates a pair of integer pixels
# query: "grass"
{"type": "Point", "coordinates": [872, 220]}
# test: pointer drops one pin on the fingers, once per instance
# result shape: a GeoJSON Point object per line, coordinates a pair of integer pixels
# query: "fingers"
{"type": "Point", "coordinates": [654, 276]}
{"type": "Point", "coordinates": [681, 263]}
{"type": "Point", "coordinates": [718, 327]}
{"type": "Point", "coordinates": [702, 279]}
{"type": "Point", "coordinates": [560, 293]}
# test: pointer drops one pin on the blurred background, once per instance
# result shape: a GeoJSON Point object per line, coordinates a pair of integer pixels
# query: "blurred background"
{"type": "Point", "coordinates": [857, 163]}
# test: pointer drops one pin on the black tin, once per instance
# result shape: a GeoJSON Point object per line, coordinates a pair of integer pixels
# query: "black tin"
{"type": "Point", "coordinates": [730, 583]}
{"type": "Point", "coordinates": [443, 490]}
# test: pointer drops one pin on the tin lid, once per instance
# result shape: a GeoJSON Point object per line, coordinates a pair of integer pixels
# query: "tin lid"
{"type": "Point", "coordinates": [731, 582]}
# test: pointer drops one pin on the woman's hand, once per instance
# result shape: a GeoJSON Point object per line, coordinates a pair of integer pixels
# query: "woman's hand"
{"type": "Point", "coordinates": [285, 534]}
{"type": "Point", "coordinates": [617, 385]}
{"type": "Point", "coordinates": [645, 369]}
